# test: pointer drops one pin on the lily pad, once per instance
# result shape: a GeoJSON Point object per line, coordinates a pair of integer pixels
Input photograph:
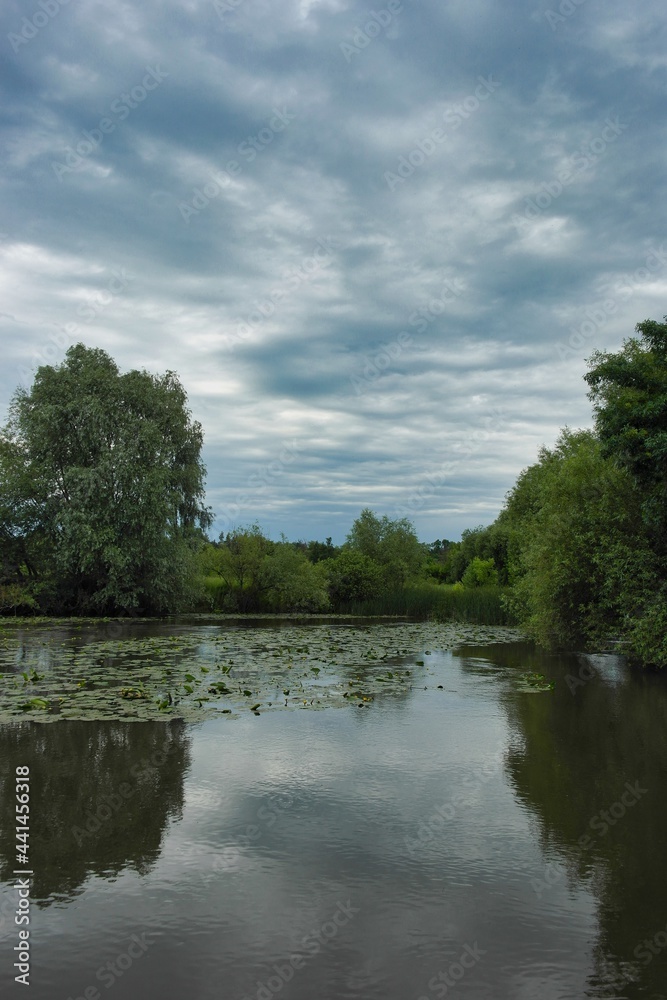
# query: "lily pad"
{"type": "Point", "coordinates": [147, 671]}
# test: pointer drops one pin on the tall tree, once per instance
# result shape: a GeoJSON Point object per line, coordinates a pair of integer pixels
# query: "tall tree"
{"type": "Point", "coordinates": [392, 544]}
{"type": "Point", "coordinates": [629, 394]}
{"type": "Point", "coordinates": [574, 528]}
{"type": "Point", "coordinates": [102, 483]}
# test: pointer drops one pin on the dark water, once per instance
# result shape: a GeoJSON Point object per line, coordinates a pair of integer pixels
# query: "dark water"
{"type": "Point", "coordinates": [473, 840]}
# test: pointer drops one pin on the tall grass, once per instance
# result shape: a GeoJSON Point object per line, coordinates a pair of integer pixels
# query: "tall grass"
{"type": "Point", "coordinates": [441, 602]}
{"type": "Point", "coordinates": [478, 605]}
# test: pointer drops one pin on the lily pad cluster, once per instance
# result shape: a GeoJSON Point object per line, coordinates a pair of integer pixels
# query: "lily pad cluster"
{"type": "Point", "coordinates": [195, 670]}
{"type": "Point", "coordinates": [531, 682]}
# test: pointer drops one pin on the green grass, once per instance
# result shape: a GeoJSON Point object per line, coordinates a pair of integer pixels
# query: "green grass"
{"type": "Point", "coordinates": [479, 605]}
{"type": "Point", "coordinates": [439, 602]}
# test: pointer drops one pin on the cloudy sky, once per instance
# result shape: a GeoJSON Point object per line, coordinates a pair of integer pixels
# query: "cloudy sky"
{"type": "Point", "coordinates": [377, 243]}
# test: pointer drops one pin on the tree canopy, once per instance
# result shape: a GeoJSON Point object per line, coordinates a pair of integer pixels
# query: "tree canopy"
{"type": "Point", "coordinates": [101, 488]}
{"type": "Point", "coordinates": [629, 395]}
{"type": "Point", "coordinates": [393, 545]}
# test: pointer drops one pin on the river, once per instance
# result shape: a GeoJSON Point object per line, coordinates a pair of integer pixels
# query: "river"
{"type": "Point", "coordinates": [430, 811]}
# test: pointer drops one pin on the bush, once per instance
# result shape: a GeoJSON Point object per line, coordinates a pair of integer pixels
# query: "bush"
{"type": "Point", "coordinates": [480, 573]}
{"type": "Point", "coordinates": [15, 598]}
{"type": "Point", "coordinates": [353, 577]}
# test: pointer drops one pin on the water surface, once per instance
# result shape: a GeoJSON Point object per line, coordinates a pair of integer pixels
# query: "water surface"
{"type": "Point", "coordinates": [463, 833]}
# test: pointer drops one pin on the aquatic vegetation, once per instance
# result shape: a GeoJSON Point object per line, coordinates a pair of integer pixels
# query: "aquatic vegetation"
{"type": "Point", "coordinates": [530, 682]}
{"type": "Point", "coordinates": [198, 667]}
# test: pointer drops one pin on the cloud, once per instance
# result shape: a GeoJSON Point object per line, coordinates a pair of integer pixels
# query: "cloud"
{"type": "Point", "coordinates": [297, 269]}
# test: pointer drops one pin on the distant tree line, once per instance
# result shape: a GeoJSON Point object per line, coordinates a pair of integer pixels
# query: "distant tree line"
{"type": "Point", "coordinates": [245, 571]}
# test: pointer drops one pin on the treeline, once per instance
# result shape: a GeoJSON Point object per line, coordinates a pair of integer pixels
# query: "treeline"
{"type": "Point", "coordinates": [245, 571]}
{"type": "Point", "coordinates": [382, 568]}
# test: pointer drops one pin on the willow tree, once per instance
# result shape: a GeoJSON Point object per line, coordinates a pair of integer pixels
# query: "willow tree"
{"type": "Point", "coordinates": [102, 486]}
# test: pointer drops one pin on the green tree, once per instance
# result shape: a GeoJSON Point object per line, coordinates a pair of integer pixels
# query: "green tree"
{"type": "Point", "coordinates": [354, 576]}
{"type": "Point", "coordinates": [480, 573]}
{"type": "Point", "coordinates": [295, 583]}
{"type": "Point", "coordinates": [578, 537]}
{"type": "Point", "coordinates": [257, 574]}
{"type": "Point", "coordinates": [319, 551]}
{"type": "Point", "coordinates": [629, 393]}
{"type": "Point", "coordinates": [241, 562]}
{"type": "Point", "coordinates": [393, 545]}
{"type": "Point", "coordinates": [102, 487]}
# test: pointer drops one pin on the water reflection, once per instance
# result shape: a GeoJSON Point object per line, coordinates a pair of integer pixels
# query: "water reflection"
{"type": "Point", "coordinates": [466, 837]}
{"type": "Point", "coordinates": [590, 762]}
{"type": "Point", "coordinates": [101, 795]}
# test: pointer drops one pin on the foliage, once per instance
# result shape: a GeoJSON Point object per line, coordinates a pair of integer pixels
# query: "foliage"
{"type": "Point", "coordinates": [629, 393]}
{"type": "Point", "coordinates": [354, 576]}
{"type": "Point", "coordinates": [479, 605]}
{"type": "Point", "coordinates": [480, 573]}
{"type": "Point", "coordinates": [483, 543]}
{"type": "Point", "coordinates": [101, 487]}
{"type": "Point", "coordinates": [14, 597]}
{"type": "Point", "coordinates": [392, 545]}
{"type": "Point", "coordinates": [553, 507]}
{"type": "Point", "coordinates": [295, 583]}
{"type": "Point", "coordinates": [240, 560]}
{"type": "Point", "coordinates": [582, 560]}
{"type": "Point", "coordinates": [255, 574]}
{"type": "Point", "coordinates": [319, 551]}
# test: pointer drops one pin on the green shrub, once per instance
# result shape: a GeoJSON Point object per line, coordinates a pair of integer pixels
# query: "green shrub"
{"type": "Point", "coordinates": [480, 573]}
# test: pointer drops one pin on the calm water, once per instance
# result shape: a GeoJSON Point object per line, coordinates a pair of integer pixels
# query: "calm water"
{"type": "Point", "coordinates": [460, 838]}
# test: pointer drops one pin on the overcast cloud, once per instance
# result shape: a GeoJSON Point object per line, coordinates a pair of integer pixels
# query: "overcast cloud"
{"type": "Point", "coordinates": [376, 243]}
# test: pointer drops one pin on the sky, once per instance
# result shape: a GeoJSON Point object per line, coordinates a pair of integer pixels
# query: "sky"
{"type": "Point", "coordinates": [377, 244]}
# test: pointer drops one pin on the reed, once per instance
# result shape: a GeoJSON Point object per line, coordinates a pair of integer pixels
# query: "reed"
{"type": "Point", "coordinates": [478, 605]}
